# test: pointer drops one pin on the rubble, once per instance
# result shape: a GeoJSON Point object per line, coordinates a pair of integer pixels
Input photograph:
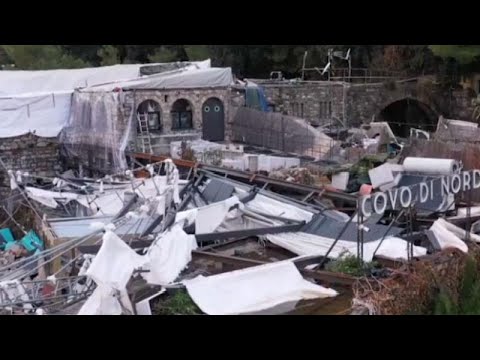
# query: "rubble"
{"type": "Point", "coordinates": [217, 217]}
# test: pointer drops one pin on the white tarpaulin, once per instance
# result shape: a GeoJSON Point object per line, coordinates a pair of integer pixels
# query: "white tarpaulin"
{"type": "Point", "coordinates": [17, 82]}
{"type": "Point", "coordinates": [253, 289]}
{"type": "Point", "coordinates": [266, 205]}
{"type": "Point", "coordinates": [40, 101]}
{"type": "Point", "coordinates": [179, 79]}
{"type": "Point", "coordinates": [44, 114]}
{"type": "Point", "coordinates": [446, 238]}
{"type": "Point", "coordinates": [47, 198]}
{"type": "Point", "coordinates": [210, 217]}
{"type": "Point", "coordinates": [168, 256]}
{"type": "Point", "coordinates": [308, 244]}
{"type": "Point", "coordinates": [115, 262]}
{"type": "Point", "coordinates": [111, 270]}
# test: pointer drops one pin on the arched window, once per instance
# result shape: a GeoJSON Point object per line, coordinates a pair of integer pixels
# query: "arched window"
{"type": "Point", "coordinates": [182, 115]}
{"type": "Point", "coordinates": [151, 109]}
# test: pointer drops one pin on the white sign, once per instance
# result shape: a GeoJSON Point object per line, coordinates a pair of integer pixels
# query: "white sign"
{"type": "Point", "coordinates": [403, 197]}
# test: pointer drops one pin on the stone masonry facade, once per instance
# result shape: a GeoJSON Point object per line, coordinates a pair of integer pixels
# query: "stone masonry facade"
{"type": "Point", "coordinates": [322, 101]}
{"type": "Point", "coordinates": [166, 99]}
{"type": "Point", "coordinates": [29, 153]}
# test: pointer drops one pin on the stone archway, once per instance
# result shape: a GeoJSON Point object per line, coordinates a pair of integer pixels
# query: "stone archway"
{"type": "Point", "coordinates": [407, 113]}
{"type": "Point", "coordinates": [153, 113]}
{"type": "Point", "coordinates": [182, 115]}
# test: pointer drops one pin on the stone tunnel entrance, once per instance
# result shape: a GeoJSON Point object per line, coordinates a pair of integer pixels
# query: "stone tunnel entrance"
{"type": "Point", "coordinates": [402, 115]}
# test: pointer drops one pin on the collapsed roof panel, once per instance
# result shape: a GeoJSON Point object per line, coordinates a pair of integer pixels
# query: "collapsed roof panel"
{"type": "Point", "coordinates": [329, 228]}
{"type": "Point", "coordinates": [216, 191]}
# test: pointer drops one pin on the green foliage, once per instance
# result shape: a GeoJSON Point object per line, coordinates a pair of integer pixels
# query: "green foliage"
{"type": "Point", "coordinates": [463, 54]}
{"type": "Point", "coordinates": [468, 300]}
{"type": "Point", "coordinates": [163, 55]}
{"type": "Point", "coordinates": [197, 52]}
{"type": "Point", "coordinates": [109, 55]}
{"type": "Point", "coordinates": [179, 304]}
{"type": "Point", "coordinates": [254, 61]}
{"type": "Point", "coordinates": [349, 264]}
{"type": "Point", "coordinates": [42, 57]}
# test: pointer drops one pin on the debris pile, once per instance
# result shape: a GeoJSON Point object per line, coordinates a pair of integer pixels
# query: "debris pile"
{"type": "Point", "coordinates": [411, 289]}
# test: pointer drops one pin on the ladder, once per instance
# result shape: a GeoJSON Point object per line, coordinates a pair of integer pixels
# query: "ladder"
{"type": "Point", "coordinates": [144, 133]}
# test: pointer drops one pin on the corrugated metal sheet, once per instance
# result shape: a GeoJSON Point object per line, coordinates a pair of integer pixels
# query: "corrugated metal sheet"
{"type": "Point", "coordinates": [217, 191]}
{"type": "Point", "coordinates": [324, 226]}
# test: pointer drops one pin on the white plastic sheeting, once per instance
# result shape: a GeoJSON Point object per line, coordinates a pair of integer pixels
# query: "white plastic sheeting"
{"type": "Point", "coordinates": [266, 205]}
{"type": "Point", "coordinates": [178, 79]}
{"type": "Point", "coordinates": [95, 120]}
{"type": "Point", "coordinates": [19, 82]}
{"type": "Point", "coordinates": [44, 114]}
{"type": "Point", "coordinates": [253, 289]}
{"type": "Point", "coordinates": [47, 198]}
{"type": "Point", "coordinates": [210, 217]}
{"type": "Point", "coordinates": [307, 244]}
{"type": "Point", "coordinates": [115, 262]}
{"type": "Point", "coordinates": [111, 270]}
{"type": "Point", "coordinates": [431, 166]}
{"type": "Point", "coordinates": [459, 232]}
{"type": "Point", "coordinates": [474, 211]}
{"type": "Point", "coordinates": [385, 174]}
{"type": "Point", "coordinates": [168, 256]}
{"type": "Point", "coordinates": [445, 238]}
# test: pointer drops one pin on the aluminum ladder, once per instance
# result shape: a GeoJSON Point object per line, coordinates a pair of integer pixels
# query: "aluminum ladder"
{"type": "Point", "coordinates": [145, 138]}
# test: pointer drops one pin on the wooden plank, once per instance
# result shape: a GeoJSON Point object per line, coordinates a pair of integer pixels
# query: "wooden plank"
{"type": "Point", "coordinates": [240, 263]}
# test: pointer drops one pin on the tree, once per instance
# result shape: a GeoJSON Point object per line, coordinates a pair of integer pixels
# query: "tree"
{"type": "Point", "coordinates": [109, 55]}
{"type": "Point", "coordinates": [463, 54]}
{"type": "Point", "coordinates": [197, 52]}
{"type": "Point", "coordinates": [42, 57]}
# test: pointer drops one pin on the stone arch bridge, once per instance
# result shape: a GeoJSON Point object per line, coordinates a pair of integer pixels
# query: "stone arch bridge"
{"type": "Point", "coordinates": [407, 103]}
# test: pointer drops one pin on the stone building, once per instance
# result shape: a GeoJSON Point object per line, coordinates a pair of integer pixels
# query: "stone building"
{"type": "Point", "coordinates": [147, 114]}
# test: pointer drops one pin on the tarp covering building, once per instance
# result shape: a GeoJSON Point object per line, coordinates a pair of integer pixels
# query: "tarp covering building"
{"type": "Point", "coordinates": [41, 101]}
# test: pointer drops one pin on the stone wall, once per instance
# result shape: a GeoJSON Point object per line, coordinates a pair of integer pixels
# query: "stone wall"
{"type": "Point", "coordinates": [359, 103]}
{"type": "Point", "coordinates": [313, 101]}
{"type": "Point", "coordinates": [39, 156]}
{"type": "Point", "coordinates": [165, 99]}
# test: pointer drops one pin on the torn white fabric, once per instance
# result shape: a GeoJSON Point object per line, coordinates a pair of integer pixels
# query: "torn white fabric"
{"type": "Point", "coordinates": [446, 238]}
{"type": "Point", "coordinates": [47, 198]}
{"type": "Point", "coordinates": [211, 216]}
{"type": "Point", "coordinates": [186, 218]}
{"type": "Point", "coordinates": [114, 263]}
{"type": "Point", "coordinates": [459, 232]}
{"type": "Point", "coordinates": [13, 181]}
{"type": "Point", "coordinates": [109, 203]}
{"type": "Point", "coordinates": [111, 270]}
{"type": "Point", "coordinates": [308, 244]}
{"type": "Point", "coordinates": [101, 302]}
{"type": "Point", "coordinates": [266, 205]}
{"type": "Point", "coordinates": [253, 289]}
{"type": "Point", "coordinates": [168, 256]}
